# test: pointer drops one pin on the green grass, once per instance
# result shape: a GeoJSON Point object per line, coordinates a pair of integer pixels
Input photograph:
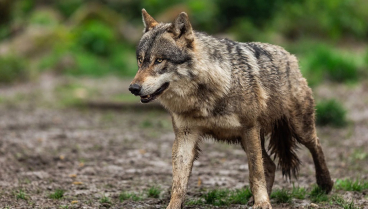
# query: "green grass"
{"type": "Point", "coordinates": [58, 194]}
{"type": "Point", "coordinates": [194, 202]}
{"type": "Point", "coordinates": [285, 196]}
{"type": "Point", "coordinates": [12, 69]}
{"type": "Point", "coordinates": [358, 154]}
{"type": "Point", "coordinates": [350, 185]}
{"type": "Point", "coordinates": [317, 195]}
{"type": "Point", "coordinates": [21, 195]}
{"type": "Point", "coordinates": [154, 192]}
{"type": "Point", "coordinates": [105, 200]}
{"type": "Point", "coordinates": [323, 62]}
{"type": "Point", "coordinates": [281, 196]}
{"type": "Point", "coordinates": [146, 124]}
{"type": "Point", "coordinates": [331, 112]}
{"type": "Point", "coordinates": [342, 203]}
{"type": "Point", "coordinates": [216, 197]}
{"type": "Point", "coordinates": [91, 49]}
{"type": "Point", "coordinates": [298, 192]}
{"type": "Point", "coordinates": [127, 195]}
{"type": "Point", "coordinates": [223, 197]}
{"type": "Point", "coordinates": [240, 196]}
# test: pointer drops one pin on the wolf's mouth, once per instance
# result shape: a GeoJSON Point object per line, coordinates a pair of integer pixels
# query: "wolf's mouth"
{"type": "Point", "coordinates": [151, 97]}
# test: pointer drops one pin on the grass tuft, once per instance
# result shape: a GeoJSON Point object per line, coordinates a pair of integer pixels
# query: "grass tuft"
{"type": "Point", "coordinates": [350, 185]}
{"type": "Point", "coordinates": [12, 69]}
{"type": "Point", "coordinates": [194, 202]}
{"type": "Point", "coordinates": [216, 197]}
{"type": "Point", "coordinates": [330, 112]}
{"type": "Point", "coordinates": [126, 195]}
{"type": "Point", "coordinates": [221, 197]}
{"type": "Point", "coordinates": [58, 194]}
{"type": "Point", "coordinates": [105, 200]}
{"type": "Point", "coordinates": [325, 62]}
{"type": "Point", "coordinates": [298, 192]}
{"type": "Point", "coordinates": [281, 196]}
{"type": "Point", "coordinates": [154, 192]}
{"type": "Point", "coordinates": [21, 195]}
{"type": "Point", "coordinates": [344, 204]}
{"type": "Point", "coordinates": [240, 196]}
{"type": "Point", "coordinates": [318, 195]}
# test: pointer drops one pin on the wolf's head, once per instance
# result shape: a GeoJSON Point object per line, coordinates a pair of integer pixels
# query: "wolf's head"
{"type": "Point", "coordinates": [164, 56]}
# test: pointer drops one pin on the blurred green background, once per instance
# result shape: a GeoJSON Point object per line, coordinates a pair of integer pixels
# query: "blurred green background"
{"type": "Point", "coordinates": [97, 38]}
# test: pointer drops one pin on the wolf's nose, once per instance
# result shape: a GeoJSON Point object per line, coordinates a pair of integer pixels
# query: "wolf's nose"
{"type": "Point", "coordinates": [135, 89]}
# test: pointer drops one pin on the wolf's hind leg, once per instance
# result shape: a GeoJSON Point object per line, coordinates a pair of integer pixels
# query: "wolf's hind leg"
{"type": "Point", "coordinates": [304, 126]}
{"type": "Point", "coordinates": [269, 168]}
{"type": "Point", "coordinates": [322, 174]}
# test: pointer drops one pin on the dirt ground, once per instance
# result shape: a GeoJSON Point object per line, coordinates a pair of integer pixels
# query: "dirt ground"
{"type": "Point", "coordinates": [96, 152]}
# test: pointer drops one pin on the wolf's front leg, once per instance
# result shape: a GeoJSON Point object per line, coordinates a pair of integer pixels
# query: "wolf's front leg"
{"type": "Point", "coordinates": [252, 145]}
{"type": "Point", "coordinates": [184, 152]}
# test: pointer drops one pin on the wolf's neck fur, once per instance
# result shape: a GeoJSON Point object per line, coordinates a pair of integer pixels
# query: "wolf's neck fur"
{"type": "Point", "coordinates": [211, 81]}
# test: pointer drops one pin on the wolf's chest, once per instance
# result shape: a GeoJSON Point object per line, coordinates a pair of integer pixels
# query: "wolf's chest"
{"type": "Point", "coordinates": [219, 127]}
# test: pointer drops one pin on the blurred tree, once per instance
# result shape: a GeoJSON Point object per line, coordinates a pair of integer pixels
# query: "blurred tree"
{"type": "Point", "coordinates": [257, 11]}
{"type": "Point", "coordinates": [68, 7]}
{"type": "Point", "coordinates": [5, 10]}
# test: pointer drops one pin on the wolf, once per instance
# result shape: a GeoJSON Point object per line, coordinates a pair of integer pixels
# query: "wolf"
{"type": "Point", "coordinates": [234, 92]}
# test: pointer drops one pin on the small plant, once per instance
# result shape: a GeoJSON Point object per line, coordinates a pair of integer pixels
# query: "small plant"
{"type": "Point", "coordinates": [298, 192]}
{"type": "Point", "coordinates": [68, 7]}
{"type": "Point", "coordinates": [146, 124]}
{"type": "Point", "coordinates": [332, 113]}
{"type": "Point", "coordinates": [349, 185]}
{"type": "Point", "coordinates": [221, 197]}
{"type": "Point", "coordinates": [58, 194]}
{"type": "Point", "coordinates": [12, 69]}
{"type": "Point", "coordinates": [96, 37]}
{"type": "Point", "coordinates": [216, 197]}
{"type": "Point", "coordinates": [240, 196]}
{"type": "Point", "coordinates": [126, 195]}
{"type": "Point", "coordinates": [105, 200]}
{"type": "Point", "coordinates": [326, 63]}
{"type": "Point", "coordinates": [359, 154]}
{"type": "Point", "coordinates": [21, 195]}
{"type": "Point", "coordinates": [154, 192]}
{"type": "Point", "coordinates": [318, 195]}
{"type": "Point", "coordinates": [281, 196]}
{"type": "Point", "coordinates": [344, 204]}
{"type": "Point", "coordinates": [195, 202]}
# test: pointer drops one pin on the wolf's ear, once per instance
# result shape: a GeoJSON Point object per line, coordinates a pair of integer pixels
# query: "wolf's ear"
{"type": "Point", "coordinates": [148, 21]}
{"type": "Point", "coordinates": [181, 28]}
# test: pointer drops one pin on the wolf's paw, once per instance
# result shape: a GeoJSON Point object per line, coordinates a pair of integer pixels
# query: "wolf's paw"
{"type": "Point", "coordinates": [174, 205]}
{"type": "Point", "coordinates": [262, 205]}
{"type": "Point", "coordinates": [325, 184]}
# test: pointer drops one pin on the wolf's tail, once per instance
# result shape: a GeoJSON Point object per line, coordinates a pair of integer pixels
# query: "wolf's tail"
{"type": "Point", "coordinates": [283, 145]}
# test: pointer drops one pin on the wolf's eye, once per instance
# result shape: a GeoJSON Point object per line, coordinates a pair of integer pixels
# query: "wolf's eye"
{"type": "Point", "coordinates": [140, 60]}
{"type": "Point", "coordinates": [159, 60]}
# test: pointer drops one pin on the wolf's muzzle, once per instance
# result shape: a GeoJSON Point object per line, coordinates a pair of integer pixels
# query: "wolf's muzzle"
{"type": "Point", "coordinates": [135, 89]}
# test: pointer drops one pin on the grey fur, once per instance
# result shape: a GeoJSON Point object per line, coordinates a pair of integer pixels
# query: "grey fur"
{"type": "Point", "coordinates": [233, 92]}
